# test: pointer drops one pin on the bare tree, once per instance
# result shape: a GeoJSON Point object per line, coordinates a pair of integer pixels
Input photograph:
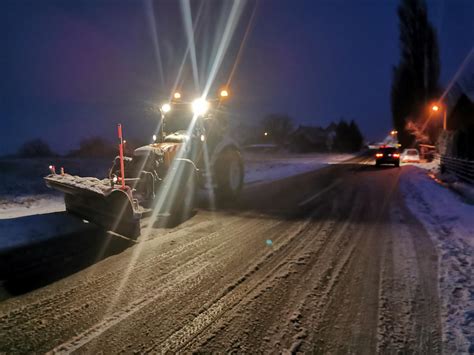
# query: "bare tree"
{"type": "Point", "coordinates": [415, 78]}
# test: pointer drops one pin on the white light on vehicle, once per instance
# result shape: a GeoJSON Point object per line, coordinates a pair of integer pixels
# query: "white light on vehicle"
{"type": "Point", "coordinates": [200, 106]}
{"type": "Point", "coordinates": [154, 138]}
{"type": "Point", "coordinates": [166, 108]}
{"type": "Point", "coordinates": [115, 179]}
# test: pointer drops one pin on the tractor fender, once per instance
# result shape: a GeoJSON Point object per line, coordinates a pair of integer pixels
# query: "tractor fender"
{"type": "Point", "coordinates": [188, 161]}
{"type": "Point", "coordinates": [224, 144]}
{"type": "Point", "coordinates": [125, 199]}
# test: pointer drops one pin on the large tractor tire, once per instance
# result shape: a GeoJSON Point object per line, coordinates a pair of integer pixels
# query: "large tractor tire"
{"type": "Point", "coordinates": [177, 195]}
{"type": "Point", "coordinates": [229, 175]}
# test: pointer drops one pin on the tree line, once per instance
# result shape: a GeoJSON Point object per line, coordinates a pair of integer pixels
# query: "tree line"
{"type": "Point", "coordinates": [279, 128]}
{"type": "Point", "coordinates": [93, 147]}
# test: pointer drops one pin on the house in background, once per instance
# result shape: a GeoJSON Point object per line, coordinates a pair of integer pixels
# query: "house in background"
{"type": "Point", "coordinates": [306, 139]}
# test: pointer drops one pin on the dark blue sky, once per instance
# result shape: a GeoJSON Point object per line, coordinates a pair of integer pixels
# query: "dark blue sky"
{"type": "Point", "coordinates": [72, 69]}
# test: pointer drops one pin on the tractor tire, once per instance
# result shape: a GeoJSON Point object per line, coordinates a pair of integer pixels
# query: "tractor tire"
{"type": "Point", "coordinates": [229, 175]}
{"type": "Point", "coordinates": [178, 193]}
{"type": "Point", "coordinates": [183, 208]}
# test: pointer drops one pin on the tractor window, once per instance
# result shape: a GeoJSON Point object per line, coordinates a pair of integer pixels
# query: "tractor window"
{"type": "Point", "coordinates": [177, 121]}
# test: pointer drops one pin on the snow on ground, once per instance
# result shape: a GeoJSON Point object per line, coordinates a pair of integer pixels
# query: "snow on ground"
{"type": "Point", "coordinates": [22, 188]}
{"type": "Point", "coordinates": [265, 167]}
{"type": "Point", "coordinates": [32, 204]}
{"type": "Point", "coordinates": [27, 230]}
{"type": "Point", "coordinates": [450, 223]}
{"type": "Point", "coordinates": [30, 211]}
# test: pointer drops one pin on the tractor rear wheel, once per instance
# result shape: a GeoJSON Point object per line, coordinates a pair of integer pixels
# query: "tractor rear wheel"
{"type": "Point", "coordinates": [229, 174]}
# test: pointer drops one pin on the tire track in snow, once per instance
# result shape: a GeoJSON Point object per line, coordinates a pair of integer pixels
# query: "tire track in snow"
{"type": "Point", "coordinates": [38, 322]}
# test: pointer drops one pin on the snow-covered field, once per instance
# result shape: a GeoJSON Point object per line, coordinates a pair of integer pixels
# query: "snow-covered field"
{"type": "Point", "coordinates": [23, 191]}
{"type": "Point", "coordinates": [264, 167]}
{"type": "Point", "coordinates": [450, 223]}
{"type": "Point", "coordinates": [24, 197]}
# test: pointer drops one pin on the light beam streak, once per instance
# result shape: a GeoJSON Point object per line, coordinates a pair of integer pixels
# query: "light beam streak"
{"type": "Point", "coordinates": [154, 36]}
{"type": "Point", "coordinates": [188, 27]}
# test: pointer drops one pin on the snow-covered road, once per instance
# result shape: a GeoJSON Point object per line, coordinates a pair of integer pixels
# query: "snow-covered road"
{"type": "Point", "coordinates": [349, 270]}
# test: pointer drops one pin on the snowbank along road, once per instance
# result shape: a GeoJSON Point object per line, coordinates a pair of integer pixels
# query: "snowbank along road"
{"type": "Point", "coordinates": [327, 261]}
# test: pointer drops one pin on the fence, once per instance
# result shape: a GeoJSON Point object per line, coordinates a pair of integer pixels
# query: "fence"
{"type": "Point", "coordinates": [462, 168]}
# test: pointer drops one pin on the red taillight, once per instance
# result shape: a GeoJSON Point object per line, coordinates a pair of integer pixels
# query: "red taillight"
{"type": "Point", "coordinates": [379, 155]}
{"type": "Point", "coordinates": [396, 155]}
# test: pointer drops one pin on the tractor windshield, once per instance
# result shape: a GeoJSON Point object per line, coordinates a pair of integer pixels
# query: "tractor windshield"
{"type": "Point", "coordinates": [177, 120]}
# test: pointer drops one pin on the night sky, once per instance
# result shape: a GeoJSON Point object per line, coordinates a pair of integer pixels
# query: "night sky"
{"type": "Point", "coordinates": [73, 69]}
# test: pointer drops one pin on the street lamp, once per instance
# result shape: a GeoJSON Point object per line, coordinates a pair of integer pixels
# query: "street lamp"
{"type": "Point", "coordinates": [436, 108]}
{"type": "Point", "coordinates": [393, 132]}
{"type": "Point", "coordinates": [265, 134]}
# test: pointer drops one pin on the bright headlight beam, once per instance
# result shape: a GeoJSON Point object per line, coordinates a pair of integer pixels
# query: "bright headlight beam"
{"type": "Point", "coordinates": [166, 108]}
{"type": "Point", "coordinates": [188, 27]}
{"type": "Point", "coordinates": [200, 106]}
{"type": "Point", "coordinates": [235, 12]}
{"type": "Point", "coordinates": [150, 13]}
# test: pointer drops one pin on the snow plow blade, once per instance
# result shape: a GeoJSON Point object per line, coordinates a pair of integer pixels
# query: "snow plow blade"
{"type": "Point", "coordinates": [98, 202]}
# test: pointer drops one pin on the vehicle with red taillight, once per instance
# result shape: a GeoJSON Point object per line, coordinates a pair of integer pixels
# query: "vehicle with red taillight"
{"type": "Point", "coordinates": [387, 155]}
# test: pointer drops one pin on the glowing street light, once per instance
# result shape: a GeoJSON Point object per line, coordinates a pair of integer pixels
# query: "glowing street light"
{"type": "Point", "coordinates": [436, 108]}
{"type": "Point", "coordinates": [177, 95]}
{"type": "Point", "coordinates": [393, 132]}
{"type": "Point", "coordinates": [265, 134]}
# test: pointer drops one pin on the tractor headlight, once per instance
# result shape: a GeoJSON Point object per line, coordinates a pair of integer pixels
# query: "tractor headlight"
{"type": "Point", "coordinates": [166, 108]}
{"type": "Point", "coordinates": [200, 106]}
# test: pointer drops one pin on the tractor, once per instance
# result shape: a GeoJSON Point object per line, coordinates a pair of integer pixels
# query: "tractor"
{"type": "Point", "coordinates": [191, 149]}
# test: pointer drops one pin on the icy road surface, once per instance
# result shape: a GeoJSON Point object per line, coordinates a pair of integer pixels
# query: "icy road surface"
{"type": "Point", "coordinates": [327, 261]}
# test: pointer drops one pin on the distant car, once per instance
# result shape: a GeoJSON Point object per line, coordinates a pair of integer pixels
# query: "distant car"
{"type": "Point", "coordinates": [387, 155]}
{"type": "Point", "coordinates": [410, 156]}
